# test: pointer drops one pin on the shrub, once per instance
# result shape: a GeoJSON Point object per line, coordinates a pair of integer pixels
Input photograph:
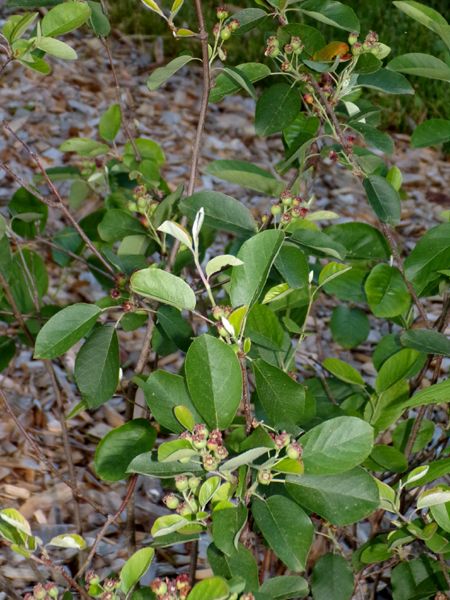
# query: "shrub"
{"type": "Point", "coordinates": [259, 455]}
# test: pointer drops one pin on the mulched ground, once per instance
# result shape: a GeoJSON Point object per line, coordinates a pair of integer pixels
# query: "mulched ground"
{"type": "Point", "coordinates": [45, 112]}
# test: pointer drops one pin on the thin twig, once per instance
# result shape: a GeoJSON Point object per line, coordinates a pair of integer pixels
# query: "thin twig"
{"type": "Point", "coordinates": [245, 394]}
{"type": "Point", "coordinates": [47, 562]}
{"type": "Point", "coordinates": [60, 203]}
{"type": "Point", "coordinates": [206, 88]}
{"type": "Point", "coordinates": [109, 521]}
{"type": "Point", "coordinates": [359, 173]}
{"type": "Point", "coordinates": [126, 124]}
{"type": "Point", "coordinates": [193, 562]}
{"type": "Point", "coordinates": [39, 454]}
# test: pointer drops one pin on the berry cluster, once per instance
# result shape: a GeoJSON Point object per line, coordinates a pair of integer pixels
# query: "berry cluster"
{"type": "Point", "coordinates": [222, 31]}
{"type": "Point", "coordinates": [208, 444]}
{"type": "Point", "coordinates": [289, 207]}
{"type": "Point", "coordinates": [46, 591]}
{"type": "Point", "coordinates": [171, 589]}
{"type": "Point", "coordinates": [293, 451]}
{"type": "Point", "coordinates": [106, 590]}
{"type": "Point", "coordinates": [370, 44]}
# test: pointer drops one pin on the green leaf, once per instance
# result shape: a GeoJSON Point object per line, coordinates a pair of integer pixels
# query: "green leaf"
{"type": "Point", "coordinates": [68, 540]}
{"type": "Point", "coordinates": [362, 241]}
{"type": "Point", "coordinates": [118, 448]}
{"type": "Point", "coordinates": [241, 563]}
{"type": "Point", "coordinates": [285, 587]}
{"type": "Point", "coordinates": [227, 524]}
{"type": "Point", "coordinates": [99, 21]}
{"type": "Point", "coordinates": [431, 254]}
{"type": "Point", "coordinates": [146, 464]}
{"type": "Point", "coordinates": [16, 26]}
{"type": "Point", "coordinates": [264, 328]}
{"type": "Point", "coordinates": [383, 198]}
{"type": "Point", "coordinates": [343, 371]}
{"type": "Point", "coordinates": [386, 292]}
{"type": "Point", "coordinates": [214, 380]}
{"type": "Point", "coordinates": [421, 65]}
{"type": "Point", "coordinates": [216, 264]}
{"type": "Point", "coordinates": [135, 568]}
{"type": "Point", "coordinates": [110, 123]}
{"type": "Point", "coordinates": [349, 326]}
{"type": "Point", "coordinates": [25, 281]}
{"type": "Point", "coordinates": [240, 79]}
{"type": "Point", "coordinates": [387, 458]}
{"type": "Point", "coordinates": [274, 517]}
{"type": "Point", "coordinates": [258, 255]}
{"type": "Point", "coordinates": [317, 242]}
{"type": "Point", "coordinates": [426, 340]}
{"type": "Point", "coordinates": [162, 74]}
{"type": "Point", "coordinates": [65, 329]}
{"type": "Point", "coordinates": [332, 13]}
{"type": "Point", "coordinates": [435, 394]}
{"type": "Point", "coordinates": [388, 82]}
{"type": "Point", "coordinates": [402, 365]}
{"type": "Point", "coordinates": [118, 224]}
{"type": "Point", "coordinates": [65, 17]}
{"type": "Point", "coordinates": [276, 108]}
{"type": "Point", "coordinates": [55, 48]}
{"type": "Point", "coordinates": [163, 287]}
{"type": "Point", "coordinates": [292, 265]}
{"type": "Point", "coordinates": [427, 16]}
{"type": "Point", "coordinates": [84, 147]}
{"type": "Point", "coordinates": [332, 577]}
{"type": "Point", "coordinates": [336, 445]}
{"type": "Point", "coordinates": [431, 133]}
{"type": "Point", "coordinates": [97, 366]}
{"type": "Point", "coordinates": [415, 579]}
{"type": "Point", "coordinates": [373, 137]}
{"type": "Point", "coordinates": [284, 401]}
{"type": "Point", "coordinates": [249, 18]}
{"type": "Point", "coordinates": [178, 232]}
{"type": "Point", "coordinates": [331, 271]}
{"type": "Point", "coordinates": [247, 175]}
{"type": "Point", "coordinates": [213, 588]}
{"type": "Point", "coordinates": [221, 212]}
{"type": "Point", "coordinates": [225, 86]}
{"type": "Point", "coordinates": [342, 499]}
{"type": "Point", "coordinates": [163, 392]}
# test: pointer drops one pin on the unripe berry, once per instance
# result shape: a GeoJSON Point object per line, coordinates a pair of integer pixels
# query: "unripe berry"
{"type": "Point", "coordinates": [308, 99]}
{"type": "Point", "coordinates": [210, 462]}
{"type": "Point", "coordinates": [282, 439]}
{"type": "Point", "coordinates": [275, 210]}
{"type": "Point", "coordinates": [159, 587]}
{"type": "Point", "coordinates": [39, 592]}
{"type": "Point", "coordinates": [51, 590]}
{"type": "Point", "coordinates": [286, 198]}
{"type": "Point", "coordinates": [225, 34]}
{"type": "Point", "coordinates": [221, 13]}
{"type": "Point", "coordinates": [127, 306]}
{"type": "Point", "coordinates": [221, 453]}
{"type": "Point", "coordinates": [353, 38]}
{"type": "Point", "coordinates": [296, 44]}
{"type": "Point", "coordinates": [264, 477]}
{"type": "Point", "coordinates": [92, 578]}
{"type": "Point", "coordinates": [114, 293]}
{"type": "Point", "coordinates": [181, 483]}
{"type": "Point", "coordinates": [109, 585]}
{"type": "Point", "coordinates": [184, 509]}
{"type": "Point", "coordinates": [357, 48]}
{"type": "Point", "coordinates": [286, 66]}
{"type": "Point", "coordinates": [171, 501]}
{"type": "Point", "coordinates": [234, 24]}
{"type": "Point", "coordinates": [272, 51]}
{"type": "Point", "coordinates": [294, 451]}
{"type": "Point", "coordinates": [288, 48]}
{"type": "Point", "coordinates": [286, 218]}
{"type": "Point", "coordinates": [194, 483]}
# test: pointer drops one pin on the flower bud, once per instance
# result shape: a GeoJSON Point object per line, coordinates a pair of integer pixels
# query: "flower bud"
{"type": "Point", "coordinates": [171, 501]}
{"type": "Point", "coordinates": [181, 483]}
{"type": "Point", "coordinates": [264, 477]}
